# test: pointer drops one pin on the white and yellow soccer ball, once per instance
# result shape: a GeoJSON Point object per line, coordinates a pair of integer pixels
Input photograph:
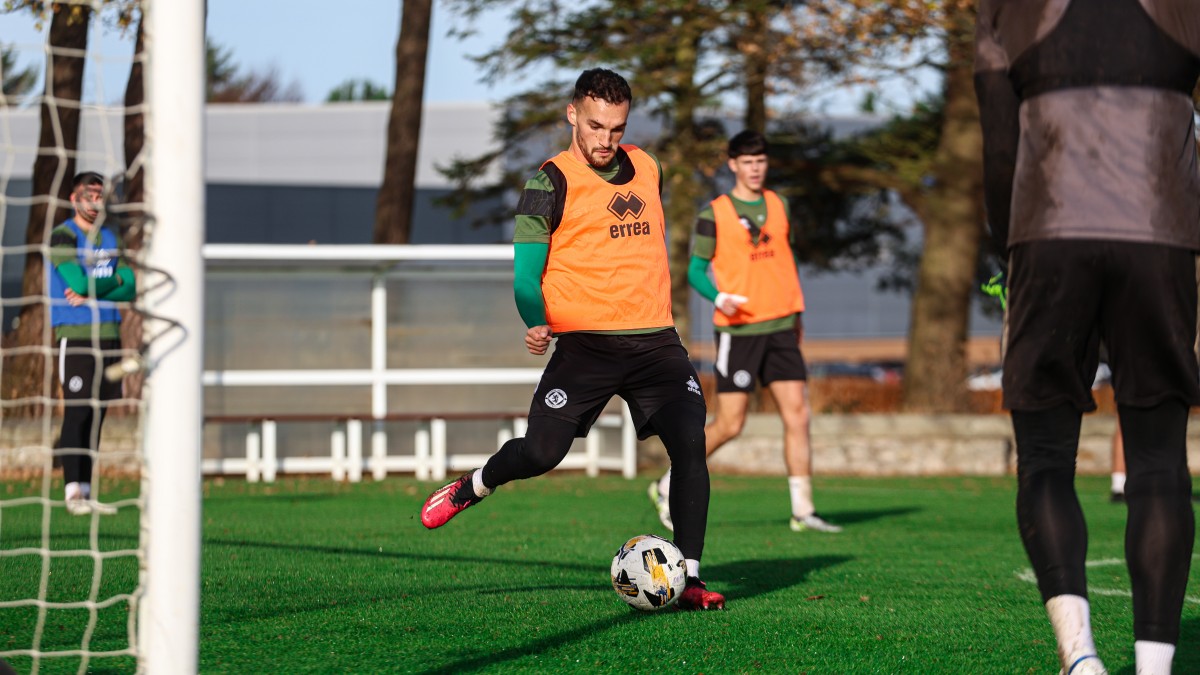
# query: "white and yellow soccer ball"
{"type": "Point", "coordinates": [648, 572]}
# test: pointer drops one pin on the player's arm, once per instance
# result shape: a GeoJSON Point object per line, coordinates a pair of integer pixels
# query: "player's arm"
{"type": "Point", "coordinates": [64, 251]}
{"type": "Point", "coordinates": [998, 108]}
{"type": "Point", "coordinates": [529, 262]}
{"type": "Point", "coordinates": [537, 213]}
{"type": "Point", "coordinates": [126, 289]}
{"type": "Point", "coordinates": [704, 246]}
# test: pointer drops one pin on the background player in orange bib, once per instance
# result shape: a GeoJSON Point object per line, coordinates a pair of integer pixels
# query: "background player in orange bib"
{"type": "Point", "coordinates": [747, 238]}
{"type": "Point", "coordinates": [590, 257]}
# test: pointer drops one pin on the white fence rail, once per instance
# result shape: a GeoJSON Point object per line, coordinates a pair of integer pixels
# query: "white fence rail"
{"type": "Point", "coordinates": [346, 461]}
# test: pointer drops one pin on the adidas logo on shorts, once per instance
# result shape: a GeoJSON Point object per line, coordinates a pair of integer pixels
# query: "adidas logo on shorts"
{"type": "Point", "coordinates": [694, 386]}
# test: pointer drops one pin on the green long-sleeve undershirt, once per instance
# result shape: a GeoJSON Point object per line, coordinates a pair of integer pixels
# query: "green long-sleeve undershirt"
{"type": "Point", "coordinates": [529, 262]}
{"type": "Point", "coordinates": [697, 276]}
{"type": "Point", "coordinates": [118, 288]}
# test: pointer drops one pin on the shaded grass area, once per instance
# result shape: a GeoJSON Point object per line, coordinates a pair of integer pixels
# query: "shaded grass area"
{"type": "Point", "coordinates": [309, 576]}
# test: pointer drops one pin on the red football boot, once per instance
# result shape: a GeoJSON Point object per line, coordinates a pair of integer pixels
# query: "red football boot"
{"type": "Point", "coordinates": [696, 596]}
{"type": "Point", "coordinates": [448, 501]}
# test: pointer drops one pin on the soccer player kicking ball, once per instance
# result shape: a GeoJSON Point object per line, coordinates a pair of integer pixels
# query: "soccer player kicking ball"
{"type": "Point", "coordinates": [747, 238]}
{"type": "Point", "coordinates": [591, 270]}
{"type": "Point", "coordinates": [1092, 189]}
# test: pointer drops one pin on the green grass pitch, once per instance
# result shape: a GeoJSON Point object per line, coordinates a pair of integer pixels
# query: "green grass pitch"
{"type": "Point", "coordinates": [310, 576]}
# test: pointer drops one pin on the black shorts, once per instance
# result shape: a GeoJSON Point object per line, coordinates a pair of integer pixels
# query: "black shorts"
{"type": "Point", "coordinates": [1065, 296]}
{"type": "Point", "coordinates": [744, 360]}
{"type": "Point", "coordinates": [648, 370]}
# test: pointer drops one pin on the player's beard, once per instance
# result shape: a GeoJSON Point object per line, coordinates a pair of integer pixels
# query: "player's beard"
{"type": "Point", "coordinates": [593, 156]}
{"type": "Point", "coordinates": [601, 161]}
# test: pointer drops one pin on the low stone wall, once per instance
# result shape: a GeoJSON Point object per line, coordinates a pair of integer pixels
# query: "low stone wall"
{"type": "Point", "coordinates": [856, 444]}
{"type": "Point", "coordinates": [23, 444]}
{"type": "Point", "coordinates": [905, 445]}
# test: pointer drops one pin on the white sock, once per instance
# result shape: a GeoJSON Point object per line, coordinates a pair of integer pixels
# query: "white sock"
{"type": "Point", "coordinates": [664, 484]}
{"type": "Point", "coordinates": [1153, 658]}
{"type": "Point", "coordinates": [481, 490]}
{"type": "Point", "coordinates": [1118, 483]}
{"type": "Point", "coordinates": [1071, 618]}
{"type": "Point", "coordinates": [801, 490]}
{"type": "Point", "coordinates": [693, 567]}
{"type": "Point", "coordinates": [76, 490]}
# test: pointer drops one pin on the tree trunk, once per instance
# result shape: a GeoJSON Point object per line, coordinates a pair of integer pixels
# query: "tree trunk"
{"type": "Point", "coordinates": [394, 206]}
{"type": "Point", "coordinates": [132, 231]}
{"type": "Point", "coordinates": [952, 211]}
{"type": "Point", "coordinates": [29, 374]}
{"type": "Point", "coordinates": [756, 63]}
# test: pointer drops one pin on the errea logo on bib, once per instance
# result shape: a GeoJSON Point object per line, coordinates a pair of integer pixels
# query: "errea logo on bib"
{"type": "Point", "coordinates": [557, 398]}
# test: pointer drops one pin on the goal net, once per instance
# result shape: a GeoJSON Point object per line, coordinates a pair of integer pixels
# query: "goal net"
{"type": "Point", "coordinates": [101, 229]}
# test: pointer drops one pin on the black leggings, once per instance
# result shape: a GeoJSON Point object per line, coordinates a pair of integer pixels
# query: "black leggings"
{"type": "Point", "coordinates": [1160, 530]}
{"type": "Point", "coordinates": [680, 425]}
{"type": "Point", "coordinates": [84, 386]}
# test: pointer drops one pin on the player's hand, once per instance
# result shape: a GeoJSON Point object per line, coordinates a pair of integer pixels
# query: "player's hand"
{"type": "Point", "coordinates": [75, 299]}
{"type": "Point", "coordinates": [537, 339]}
{"type": "Point", "coordinates": [729, 303]}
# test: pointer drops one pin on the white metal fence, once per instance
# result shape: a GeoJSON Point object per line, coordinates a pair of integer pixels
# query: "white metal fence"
{"type": "Point", "coordinates": [346, 460]}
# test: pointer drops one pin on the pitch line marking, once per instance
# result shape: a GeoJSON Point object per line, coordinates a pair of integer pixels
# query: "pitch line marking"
{"type": "Point", "coordinates": [1027, 575]}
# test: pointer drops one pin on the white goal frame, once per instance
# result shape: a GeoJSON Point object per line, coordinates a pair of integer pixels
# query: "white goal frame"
{"type": "Point", "coordinates": [169, 615]}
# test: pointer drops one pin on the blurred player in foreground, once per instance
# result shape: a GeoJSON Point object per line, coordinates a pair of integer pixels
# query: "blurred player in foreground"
{"type": "Point", "coordinates": [591, 270]}
{"type": "Point", "coordinates": [1093, 196]}
{"type": "Point", "coordinates": [747, 238]}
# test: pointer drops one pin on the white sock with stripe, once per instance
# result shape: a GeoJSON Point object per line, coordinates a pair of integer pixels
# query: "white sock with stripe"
{"type": "Point", "coordinates": [1071, 617]}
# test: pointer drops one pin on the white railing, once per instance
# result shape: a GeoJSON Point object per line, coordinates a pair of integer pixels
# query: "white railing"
{"type": "Point", "coordinates": [430, 459]}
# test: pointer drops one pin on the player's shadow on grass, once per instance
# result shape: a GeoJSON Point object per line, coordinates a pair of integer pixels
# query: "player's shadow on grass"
{"type": "Point", "coordinates": [836, 517]}
{"type": "Point", "coordinates": [857, 517]}
{"type": "Point", "coordinates": [740, 581]}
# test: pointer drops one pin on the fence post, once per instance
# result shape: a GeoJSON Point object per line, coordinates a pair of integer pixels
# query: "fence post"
{"type": "Point", "coordinates": [437, 434]}
{"type": "Point", "coordinates": [354, 445]}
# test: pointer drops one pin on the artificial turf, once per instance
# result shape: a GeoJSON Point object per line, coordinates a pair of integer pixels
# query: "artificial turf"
{"type": "Point", "coordinates": [311, 576]}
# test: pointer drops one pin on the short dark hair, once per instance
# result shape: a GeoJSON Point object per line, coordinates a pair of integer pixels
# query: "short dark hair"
{"type": "Point", "coordinates": [602, 84]}
{"type": "Point", "coordinates": [86, 178]}
{"type": "Point", "coordinates": [747, 143]}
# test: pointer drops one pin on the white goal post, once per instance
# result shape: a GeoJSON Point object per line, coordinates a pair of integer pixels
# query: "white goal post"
{"type": "Point", "coordinates": [168, 628]}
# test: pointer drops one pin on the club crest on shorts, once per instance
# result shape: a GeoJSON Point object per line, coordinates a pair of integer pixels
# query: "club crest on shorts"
{"type": "Point", "coordinates": [741, 379]}
{"type": "Point", "coordinates": [75, 383]}
{"type": "Point", "coordinates": [694, 386]}
{"type": "Point", "coordinates": [557, 398]}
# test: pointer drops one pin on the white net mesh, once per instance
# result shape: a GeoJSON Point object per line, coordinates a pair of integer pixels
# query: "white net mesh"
{"type": "Point", "coordinates": [71, 556]}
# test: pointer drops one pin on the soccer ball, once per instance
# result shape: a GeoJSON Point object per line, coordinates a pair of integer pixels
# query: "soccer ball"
{"type": "Point", "coordinates": [648, 572]}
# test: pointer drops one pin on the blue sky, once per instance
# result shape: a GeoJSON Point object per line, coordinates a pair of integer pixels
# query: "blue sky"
{"type": "Point", "coordinates": [310, 43]}
{"type": "Point", "coordinates": [319, 44]}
